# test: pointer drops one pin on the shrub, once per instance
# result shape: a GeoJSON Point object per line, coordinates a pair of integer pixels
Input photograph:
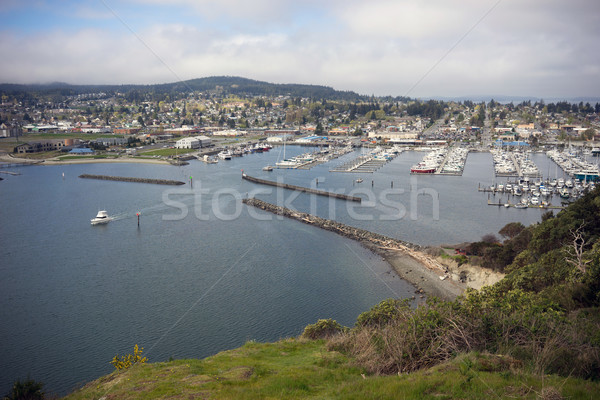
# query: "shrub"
{"type": "Point", "coordinates": [25, 390]}
{"type": "Point", "coordinates": [323, 328]}
{"type": "Point", "coordinates": [130, 359]}
{"type": "Point", "coordinates": [382, 312]}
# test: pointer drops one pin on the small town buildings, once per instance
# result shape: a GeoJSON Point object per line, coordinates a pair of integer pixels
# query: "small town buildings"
{"type": "Point", "coordinates": [9, 130]}
{"type": "Point", "coordinates": [83, 151]}
{"type": "Point", "coordinates": [126, 131]}
{"type": "Point", "coordinates": [37, 147]}
{"type": "Point", "coordinates": [193, 142]}
{"type": "Point", "coordinates": [111, 141]}
{"type": "Point", "coordinates": [40, 128]}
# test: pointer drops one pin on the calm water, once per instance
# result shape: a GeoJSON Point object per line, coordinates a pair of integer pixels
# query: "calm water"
{"type": "Point", "coordinates": [203, 273]}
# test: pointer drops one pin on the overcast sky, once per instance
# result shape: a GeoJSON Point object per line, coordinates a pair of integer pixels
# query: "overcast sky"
{"type": "Point", "coordinates": [539, 48]}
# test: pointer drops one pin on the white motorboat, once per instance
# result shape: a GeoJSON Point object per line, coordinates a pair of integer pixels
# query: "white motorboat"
{"type": "Point", "coordinates": [291, 163]}
{"type": "Point", "coordinates": [101, 218]}
{"type": "Point", "coordinates": [268, 168]}
{"type": "Point", "coordinates": [225, 155]}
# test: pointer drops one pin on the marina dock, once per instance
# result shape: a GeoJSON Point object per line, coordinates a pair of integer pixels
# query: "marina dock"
{"type": "Point", "coordinates": [510, 205]}
{"type": "Point", "coordinates": [368, 163]}
{"type": "Point", "coordinates": [301, 189]}
{"type": "Point", "coordinates": [454, 162]}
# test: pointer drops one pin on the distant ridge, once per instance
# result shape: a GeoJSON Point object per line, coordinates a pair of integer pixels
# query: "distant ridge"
{"type": "Point", "coordinates": [514, 99]}
{"type": "Point", "coordinates": [222, 84]}
{"type": "Point", "coordinates": [236, 85]}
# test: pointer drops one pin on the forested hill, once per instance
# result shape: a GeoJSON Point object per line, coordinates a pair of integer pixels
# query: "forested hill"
{"type": "Point", "coordinates": [222, 85]}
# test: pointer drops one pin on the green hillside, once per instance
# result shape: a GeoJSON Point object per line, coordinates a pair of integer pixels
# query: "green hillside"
{"type": "Point", "coordinates": [535, 334]}
{"type": "Point", "coordinates": [301, 369]}
{"type": "Point", "coordinates": [223, 85]}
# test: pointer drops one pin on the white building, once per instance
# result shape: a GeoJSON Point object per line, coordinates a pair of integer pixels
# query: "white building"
{"type": "Point", "coordinates": [188, 143]}
{"type": "Point", "coordinates": [204, 141]}
{"type": "Point", "coordinates": [193, 142]}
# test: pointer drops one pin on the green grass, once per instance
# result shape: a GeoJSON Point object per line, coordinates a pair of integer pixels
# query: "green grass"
{"type": "Point", "coordinates": [298, 369]}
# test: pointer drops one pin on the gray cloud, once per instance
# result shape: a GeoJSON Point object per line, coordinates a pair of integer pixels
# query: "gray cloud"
{"type": "Point", "coordinates": [545, 49]}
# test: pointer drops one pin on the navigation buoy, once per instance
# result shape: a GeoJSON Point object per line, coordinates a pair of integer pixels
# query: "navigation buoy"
{"type": "Point", "coordinates": [138, 215]}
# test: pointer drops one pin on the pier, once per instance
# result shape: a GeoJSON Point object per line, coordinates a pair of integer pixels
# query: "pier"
{"type": "Point", "coordinates": [516, 163]}
{"type": "Point", "coordinates": [339, 228]}
{"type": "Point", "coordinates": [128, 179]}
{"type": "Point", "coordinates": [366, 164]}
{"type": "Point", "coordinates": [454, 162]}
{"type": "Point", "coordinates": [509, 205]}
{"type": "Point", "coordinates": [301, 189]}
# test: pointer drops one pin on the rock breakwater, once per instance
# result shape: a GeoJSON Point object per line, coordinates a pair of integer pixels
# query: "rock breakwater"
{"type": "Point", "coordinates": [407, 259]}
{"type": "Point", "coordinates": [368, 238]}
{"type": "Point", "coordinates": [129, 179]}
{"type": "Point", "coordinates": [301, 189]}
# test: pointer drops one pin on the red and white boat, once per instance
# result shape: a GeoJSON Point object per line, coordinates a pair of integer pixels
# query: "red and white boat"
{"type": "Point", "coordinates": [422, 168]}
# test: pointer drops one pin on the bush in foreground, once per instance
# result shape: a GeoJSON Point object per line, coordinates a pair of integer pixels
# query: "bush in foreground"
{"type": "Point", "coordinates": [322, 329]}
{"type": "Point", "coordinates": [25, 390]}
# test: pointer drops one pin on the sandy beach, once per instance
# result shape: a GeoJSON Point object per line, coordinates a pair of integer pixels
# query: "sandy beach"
{"type": "Point", "coordinates": [425, 278]}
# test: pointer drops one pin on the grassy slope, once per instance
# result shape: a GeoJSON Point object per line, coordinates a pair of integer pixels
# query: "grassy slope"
{"type": "Point", "coordinates": [299, 369]}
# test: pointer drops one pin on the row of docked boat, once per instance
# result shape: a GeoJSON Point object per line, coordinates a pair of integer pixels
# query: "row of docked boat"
{"type": "Point", "coordinates": [574, 165]}
{"type": "Point", "coordinates": [503, 162]}
{"type": "Point", "coordinates": [514, 163]}
{"type": "Point", "coordinates": [376, 158]}
{"type": "Point", "coordinates": [228, 154]}
{"type": "Point", "coordinates": [371, 161]}
{"type": "Point", "coordinates": [297, 161]}
{"type": "Point", "coordinates": [540, 188]}
{"type": "Point", "coordinates": [525, 166]}
{"type": "Point", "coordinates": [308, 160]}
{"type": "Point", "coordinates": [430, 163]}
{"type": "Point", "coordinates": [455, 161]}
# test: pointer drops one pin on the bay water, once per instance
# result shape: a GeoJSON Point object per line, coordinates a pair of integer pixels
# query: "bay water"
{"type": "Point", "coordinates": [202, 272]}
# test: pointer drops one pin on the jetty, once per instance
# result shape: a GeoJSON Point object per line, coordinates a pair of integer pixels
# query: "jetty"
{"type": "Point", "coordinates": [382, 245]}
{"type": "Point", "coordinates": [129, 179]}
{"type": "Point", "coordinates": [301, 189]}
{"type": "Point", "coordinates": [334, 226]}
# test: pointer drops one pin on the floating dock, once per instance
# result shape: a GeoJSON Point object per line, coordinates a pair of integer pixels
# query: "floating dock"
{"type": "Point", "coordinates": [510, 205]}
{"type": "Point", "coordinates": [454, 162]}
{"type": "Point", "coordinates": [128, 179]}
{"type": "Point", "coordinates": [301, 189]}
{"type": "Point", "coordinates": [366, 164]}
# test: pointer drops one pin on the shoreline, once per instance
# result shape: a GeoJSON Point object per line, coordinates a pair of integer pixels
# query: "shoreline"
{"type": "Point", "coordinates": [424, 272]}
{"type": "Point", "coordinates": [14, 160]}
